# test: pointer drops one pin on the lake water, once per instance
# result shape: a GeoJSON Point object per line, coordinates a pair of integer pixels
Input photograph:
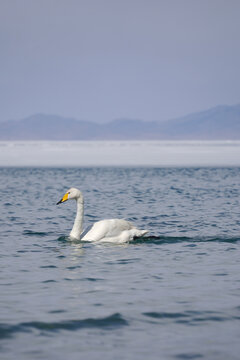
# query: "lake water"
{"type": "Point", "coordinates": [173, 295]}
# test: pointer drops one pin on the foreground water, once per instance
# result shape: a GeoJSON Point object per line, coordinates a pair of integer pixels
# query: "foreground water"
{"type": "Point", "coordinates": [174, 295]}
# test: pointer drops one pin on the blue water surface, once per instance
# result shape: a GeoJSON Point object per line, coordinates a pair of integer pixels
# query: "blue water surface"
{"type": "Point", "coordinates": [173, 295]}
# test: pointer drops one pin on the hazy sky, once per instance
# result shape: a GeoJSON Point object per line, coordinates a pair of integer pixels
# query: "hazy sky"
{"type": "Point", "coordinates": [104, 59]}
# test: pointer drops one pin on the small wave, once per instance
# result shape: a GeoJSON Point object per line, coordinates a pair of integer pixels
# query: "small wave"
{"type": "Point", "coordinates": [165, 315]}
{"type": "Point", "coordinates": [48, 267]}
{"type": "Point", "coordinates": [159, 239]}
{"type": "Point", "coordinates": [176, 239]}
{"type": "Point", "coordinates": [189, 356]}
{"type": "Point", "coordinates": [63, 238]}
{"type": "Point", "coordinates": [92, 279]}
{"type": "Point", "coordinates": [35, 233]}
{"type": "Point", "coordinates": [110, 322]}
{"type": "Point", "coordinates": [7, 331]}
{"type": "Point", "coordinates": [190, 317]}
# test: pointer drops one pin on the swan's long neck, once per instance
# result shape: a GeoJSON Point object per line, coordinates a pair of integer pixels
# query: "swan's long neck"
{"type": "Point", "coordinates": [78, 223]}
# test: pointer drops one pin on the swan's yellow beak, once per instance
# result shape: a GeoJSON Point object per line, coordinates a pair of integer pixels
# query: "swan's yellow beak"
{"type": "Point", "coordinates": [64, 198]}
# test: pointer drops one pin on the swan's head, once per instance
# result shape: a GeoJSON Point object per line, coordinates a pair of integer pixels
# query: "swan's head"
{"type": "Point", "coordinates": [71, 194]}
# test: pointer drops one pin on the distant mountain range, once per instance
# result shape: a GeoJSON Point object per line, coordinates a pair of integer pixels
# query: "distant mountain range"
{"type": "Point", "coordinates": [218, 123]}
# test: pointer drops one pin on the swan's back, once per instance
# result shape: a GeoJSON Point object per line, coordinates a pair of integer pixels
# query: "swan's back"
{"type": "Point", "coordinates": [112, 230]}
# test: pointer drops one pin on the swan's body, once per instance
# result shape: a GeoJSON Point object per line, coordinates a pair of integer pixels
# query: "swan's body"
{"type": "Point", "coordinates": [110, 230]}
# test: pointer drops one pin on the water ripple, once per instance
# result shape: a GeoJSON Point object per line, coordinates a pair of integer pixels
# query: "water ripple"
{"type": "Point", "coordinates": [191, 317]}
{"type": "Point", "coordinates": [109, 322]}
{"type": "Point", "coordinates": [36, 233]}
{"type": "Point", "coordinates": [176, 239]}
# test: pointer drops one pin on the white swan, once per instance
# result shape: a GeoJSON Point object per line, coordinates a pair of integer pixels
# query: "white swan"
{"type": "Point", "coordinates": [111, 230]}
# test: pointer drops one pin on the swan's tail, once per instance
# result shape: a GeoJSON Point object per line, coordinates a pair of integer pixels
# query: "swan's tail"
{"type": "Point", "coordinates": [140, 233]}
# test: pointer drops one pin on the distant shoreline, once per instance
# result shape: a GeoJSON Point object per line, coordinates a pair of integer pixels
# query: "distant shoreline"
{"type": "Point", "coordinates": [156, 153]}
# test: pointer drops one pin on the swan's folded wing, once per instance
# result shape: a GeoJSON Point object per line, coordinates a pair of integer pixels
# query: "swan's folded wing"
{"type": "Point", "coordinates": [106, 228]}
{"type": "Point", "coordinates": [98, 231]}
{"type": "Point", "coordinates": [112, 230]}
